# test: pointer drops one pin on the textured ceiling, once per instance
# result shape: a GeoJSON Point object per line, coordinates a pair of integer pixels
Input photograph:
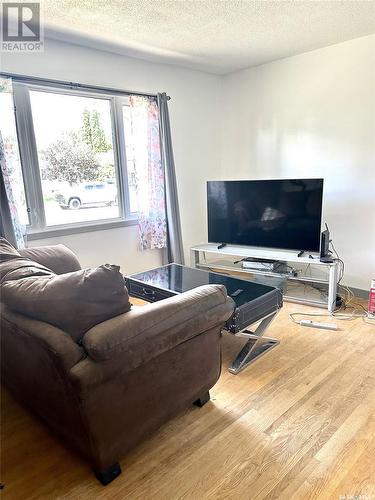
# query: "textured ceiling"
{"type": "Point", "coordinates": [218, 36]}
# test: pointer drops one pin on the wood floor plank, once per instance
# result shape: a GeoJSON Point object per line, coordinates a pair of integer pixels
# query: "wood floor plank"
{"type": "Point", "coordinates": [297, 424]}
{"type": "Point", "coordinates": [326, 478]}
{"type": "Point", "coordinates": [360, 479]}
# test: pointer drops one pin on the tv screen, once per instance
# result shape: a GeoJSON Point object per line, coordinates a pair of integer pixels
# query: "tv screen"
{"type": "Point", "coordinates": [282, 214]}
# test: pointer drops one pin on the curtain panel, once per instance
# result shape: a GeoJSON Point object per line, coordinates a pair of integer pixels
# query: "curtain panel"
{"type": "Point", "coordinates": [10, 226]}
{"type": "Point", "coordinates": [149, 172]}
{"type": "Point", "coordinates": [156, 187]}
{"type": "Point", "coordinates": [174, 251]}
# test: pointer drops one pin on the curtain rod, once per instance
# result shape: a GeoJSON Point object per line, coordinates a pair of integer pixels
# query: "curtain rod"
{"type": "Point", "coordinates": [74, 85]}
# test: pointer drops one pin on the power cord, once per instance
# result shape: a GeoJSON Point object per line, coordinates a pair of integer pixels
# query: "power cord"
{"type": "Point", "coordinates": [339, 260]}
{"type": "Point", "coordinates": [367, 318]}
{"type": "Point", "coordinates": [347, 300]}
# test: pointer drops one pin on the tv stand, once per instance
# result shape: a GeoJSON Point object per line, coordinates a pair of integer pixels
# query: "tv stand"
{"type": "Point", "coordinates": [238, 252]}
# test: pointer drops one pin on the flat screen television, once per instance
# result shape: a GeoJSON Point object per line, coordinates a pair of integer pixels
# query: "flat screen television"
{"type": "Point", "coordinates": [284, 214]}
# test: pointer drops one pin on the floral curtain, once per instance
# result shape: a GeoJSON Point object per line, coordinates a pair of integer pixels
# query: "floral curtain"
{"type": "Point", "coordinates": [144, 148]}
{"type": "Point", "coordinates": [10, 226]}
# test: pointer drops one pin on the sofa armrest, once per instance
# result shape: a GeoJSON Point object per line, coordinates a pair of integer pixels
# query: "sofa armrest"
{"type": "Point", "coordinates": [41, 335]}
{"type": "Point", "coordinates": [145, 332]}
{"type": "Point", "coordinates": [122, 344]}
{"type": "Point", "coordinates": [59, 258]}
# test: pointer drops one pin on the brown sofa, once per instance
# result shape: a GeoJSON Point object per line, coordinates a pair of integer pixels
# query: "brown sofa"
{"type": "Point", "coordinates": [125, 377]}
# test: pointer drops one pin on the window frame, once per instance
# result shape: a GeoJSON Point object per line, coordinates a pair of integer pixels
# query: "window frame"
{"type": "Point", "coordinates": [38, 229]}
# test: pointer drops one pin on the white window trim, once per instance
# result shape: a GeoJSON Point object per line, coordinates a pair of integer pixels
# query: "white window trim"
{"type": "Point", "coordinates": [30, 163]}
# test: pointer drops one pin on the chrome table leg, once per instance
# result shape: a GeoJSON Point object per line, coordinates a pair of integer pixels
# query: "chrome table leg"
{"type": "Point", "coordinates": [256, 346]}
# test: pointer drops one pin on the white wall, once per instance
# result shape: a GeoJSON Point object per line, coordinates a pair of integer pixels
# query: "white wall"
{"type": "Point", "coordinates": [308, 115]}
{"type": "Point", "coordinates": [312, 115]}
{"type": "Point", "coordinates": [195, 120]}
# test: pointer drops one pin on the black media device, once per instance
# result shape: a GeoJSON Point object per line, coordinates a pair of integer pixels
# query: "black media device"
{"type": "Point", "coordinates": [283, 214]}
{"type": "Point", "coordinates": [324, 246]}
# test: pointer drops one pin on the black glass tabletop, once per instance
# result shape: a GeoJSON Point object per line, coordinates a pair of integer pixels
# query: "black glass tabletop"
{"type": "Point", "coordinates": [178, 279]}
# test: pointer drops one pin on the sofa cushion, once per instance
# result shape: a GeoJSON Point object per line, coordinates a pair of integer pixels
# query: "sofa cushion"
{"type": "Point", "coordinates": [14, 266]}
{"type": "Point", "coordinates": [7, 251]}
{"type": "Point", "coordinates": [58, 258]}
{"type": "Point", "coordinates": [74, 302]}
{"type": "Point", "coordinates": [22, 268]}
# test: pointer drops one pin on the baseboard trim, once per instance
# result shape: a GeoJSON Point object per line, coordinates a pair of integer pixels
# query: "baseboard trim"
{"type": "Point", "coordinates": [359, 292]}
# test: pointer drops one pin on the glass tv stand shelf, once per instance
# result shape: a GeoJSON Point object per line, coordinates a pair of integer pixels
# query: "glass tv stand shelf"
{"type": "Point", "coordinates": [307, 280]}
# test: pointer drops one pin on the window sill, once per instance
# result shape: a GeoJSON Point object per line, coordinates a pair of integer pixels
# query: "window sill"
{"type": "Point", "coordinates": [73, 229]}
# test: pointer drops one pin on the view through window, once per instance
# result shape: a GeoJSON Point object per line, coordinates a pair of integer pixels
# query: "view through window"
{"type": "Point", "coordinates": [78, 155]}
{"type": "Point", "coordinates": [75, 156]}
{"type": "Point", "coordinates": [130, 141]}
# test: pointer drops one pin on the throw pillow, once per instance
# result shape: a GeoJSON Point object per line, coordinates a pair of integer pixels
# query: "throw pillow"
{"type": "Point", "coordinates": [74, 302]}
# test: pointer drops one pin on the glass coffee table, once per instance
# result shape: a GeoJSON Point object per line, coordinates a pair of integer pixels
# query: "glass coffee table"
{"type": "Point", "coordinates": [254, 303]}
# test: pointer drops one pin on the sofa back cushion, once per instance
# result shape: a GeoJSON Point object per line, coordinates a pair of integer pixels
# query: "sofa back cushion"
{"type": "Point", "coordinates": [58, 258]}
{"type": "Point", "coordinates": [74, 302]}
{"type": "Point", "coordinates": [22, 268]}
{"type": "Point", "coordinates": [7, 251]}
{"type": "Point", "coordinates": [14, 266]}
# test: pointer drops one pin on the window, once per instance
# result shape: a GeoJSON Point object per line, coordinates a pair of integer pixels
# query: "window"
{"type": "Point", "coordinates": [76, 149]}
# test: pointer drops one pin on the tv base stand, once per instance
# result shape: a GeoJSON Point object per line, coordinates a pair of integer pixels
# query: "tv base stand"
{"type": "Point", "coordinates": [233, 254]}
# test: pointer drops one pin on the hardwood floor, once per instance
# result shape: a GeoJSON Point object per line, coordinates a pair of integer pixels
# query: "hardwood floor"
{"type": "Point", "coordinates": [297, 424]}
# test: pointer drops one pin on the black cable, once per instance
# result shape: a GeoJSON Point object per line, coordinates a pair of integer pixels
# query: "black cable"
{"type": "Point", "coordinates": [238, 261]}
{"type": "Point", "coordinates": [340, 261]}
